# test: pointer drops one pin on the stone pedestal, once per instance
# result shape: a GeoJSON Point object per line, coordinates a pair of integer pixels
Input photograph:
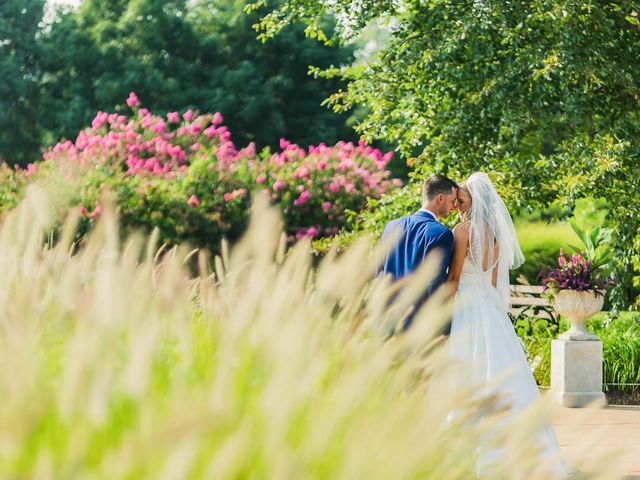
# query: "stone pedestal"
{"type": "Point", "coordinates": [576, 372]}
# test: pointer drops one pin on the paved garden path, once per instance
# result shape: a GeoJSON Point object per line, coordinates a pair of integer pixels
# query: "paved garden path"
{"type": "Point", "coordinates": [588, 436]}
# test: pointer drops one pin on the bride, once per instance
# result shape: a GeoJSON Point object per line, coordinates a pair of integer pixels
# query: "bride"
{"type": "Point", "coordinates": [482, 336]}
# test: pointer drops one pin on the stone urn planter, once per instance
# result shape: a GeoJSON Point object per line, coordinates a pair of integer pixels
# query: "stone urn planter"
{"type": "Point", "coordinates": [578, 306]}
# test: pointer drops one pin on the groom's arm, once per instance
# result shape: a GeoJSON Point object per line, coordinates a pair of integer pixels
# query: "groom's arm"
{"type": "Point", "coordinates": [444, 246]}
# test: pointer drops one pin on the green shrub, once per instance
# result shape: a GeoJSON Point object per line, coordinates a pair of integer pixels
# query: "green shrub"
{"type": "Point", "coordinates": [12, 186]}
{"type": "Point", "coordinates": [620, 342]}
{"type": "Point", "coordinates": [621, 347]}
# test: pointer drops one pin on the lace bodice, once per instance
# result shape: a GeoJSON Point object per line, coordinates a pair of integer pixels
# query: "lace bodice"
{"type": "Point", "coordinates": [472, 275]}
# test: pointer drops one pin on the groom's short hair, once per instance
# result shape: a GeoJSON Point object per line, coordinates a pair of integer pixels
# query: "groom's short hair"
{"type": "Point", "coordinates": [437, 184]}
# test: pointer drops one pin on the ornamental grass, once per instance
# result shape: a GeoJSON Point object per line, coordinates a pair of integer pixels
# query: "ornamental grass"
{"type": "Point", "coordinates": [120, 362]}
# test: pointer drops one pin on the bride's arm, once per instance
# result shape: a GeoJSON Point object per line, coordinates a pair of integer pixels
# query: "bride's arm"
{"type": "Point", "coordinates": [494, 273]}
{"type": "Point", "coordinates": [460, 245]}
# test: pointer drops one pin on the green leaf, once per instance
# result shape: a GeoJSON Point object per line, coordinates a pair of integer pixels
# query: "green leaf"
{"type": "Point", "coordinates": [581, 234]}
{"type": "Point", "coordinates": [575, 248]}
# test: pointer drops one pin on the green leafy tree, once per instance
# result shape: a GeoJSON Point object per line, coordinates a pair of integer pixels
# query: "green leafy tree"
{"type": "Point", "coordinates": [19, 84]}
{"type": "Point", "coordinates": [545, 95]}
{"type": "Point", "coordinates": [177, 55]}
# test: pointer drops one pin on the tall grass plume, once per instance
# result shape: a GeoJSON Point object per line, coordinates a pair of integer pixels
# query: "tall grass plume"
{"type": "Point", "coordinates": [119, 362]}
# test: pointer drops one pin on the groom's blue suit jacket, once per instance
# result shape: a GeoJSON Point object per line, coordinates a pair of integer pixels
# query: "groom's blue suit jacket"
{"type": "Point", "coordinates": [419, 234]}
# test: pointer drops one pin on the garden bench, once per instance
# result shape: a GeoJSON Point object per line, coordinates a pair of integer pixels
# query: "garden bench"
{"type": "Point", "coordinates": [528, 300]}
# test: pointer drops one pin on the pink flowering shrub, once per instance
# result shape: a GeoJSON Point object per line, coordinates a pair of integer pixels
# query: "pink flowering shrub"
{"type": "Point", "coordinates": [316, 187]}
{"type": "Point", "coordinates": [182, 173]}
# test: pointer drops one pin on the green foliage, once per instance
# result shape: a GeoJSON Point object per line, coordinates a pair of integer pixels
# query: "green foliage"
{"type": "Point", "coordinates": [20, 76]}
{"type": "Point", "coordinates": [621, 348]}
{"type": "Point", "coordinates": [594, 242]}
{"type": "Point", "coordinates": [177, 55]}
{"type": "Point", "coordinates": [12, 187]}
{"type": "Point", "coordinates": [590, 212]}
{"type": "Point", "coordinates": [544, 94]}
{"type": "Point", "coordinates": [544, 232]}
{"type": "Point", "coordinates": [145, 204]}
{"type": "Point", "coordinates": [620, 342]}
{"type": "Point", "coordinates": [540, 243]}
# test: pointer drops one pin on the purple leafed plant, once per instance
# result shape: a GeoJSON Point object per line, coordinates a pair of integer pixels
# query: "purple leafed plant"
{"type": "Point", "coordinates": [572, 273]}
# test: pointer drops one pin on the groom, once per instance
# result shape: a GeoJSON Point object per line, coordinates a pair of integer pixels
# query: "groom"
{"type": "Point", "coordinates": [420, 234]}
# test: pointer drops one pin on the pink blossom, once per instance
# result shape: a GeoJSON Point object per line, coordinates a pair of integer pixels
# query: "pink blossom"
{"type": "Point", "coordinates": [96, 211]}
{"type": "Point", "coordinates": [211, 131]}
{"type": "Point", "coordinates": [101, 119]}
{"type": "Point", "coordinates": [159, 127]}
{"type": "Point", "coordinates": [193, 201]}
{"type": "Point", "coordinates": [146, 122]}
{"type": "Point", "coordinates": [147, 145]}
{"type": "Point", "coordinates": [82, 140]}
{"type": "Point", "coordinates": [302, 198]}
{"type": "Point", "coordinates": [284, 143]}
{"type": "Point", "coordinates": [301, 172]}
{"type": "Point", "coordinates": [83, 211]}
{"type": "Point", "coordinates": [133, 101]}
{"type": "Point", "coordinates": [30, 170]}
{"type": "Point", "coordinates": [224, 133]}
{"type": "Point", "coordinates": [249, 150]}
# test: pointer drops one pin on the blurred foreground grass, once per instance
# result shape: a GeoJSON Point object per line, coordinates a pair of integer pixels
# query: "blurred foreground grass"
{"type": "Point", "coordinates": [119, 362]}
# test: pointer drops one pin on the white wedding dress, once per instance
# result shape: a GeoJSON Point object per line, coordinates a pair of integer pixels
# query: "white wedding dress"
{"type": "Point", "coordinates": [484, 341]}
